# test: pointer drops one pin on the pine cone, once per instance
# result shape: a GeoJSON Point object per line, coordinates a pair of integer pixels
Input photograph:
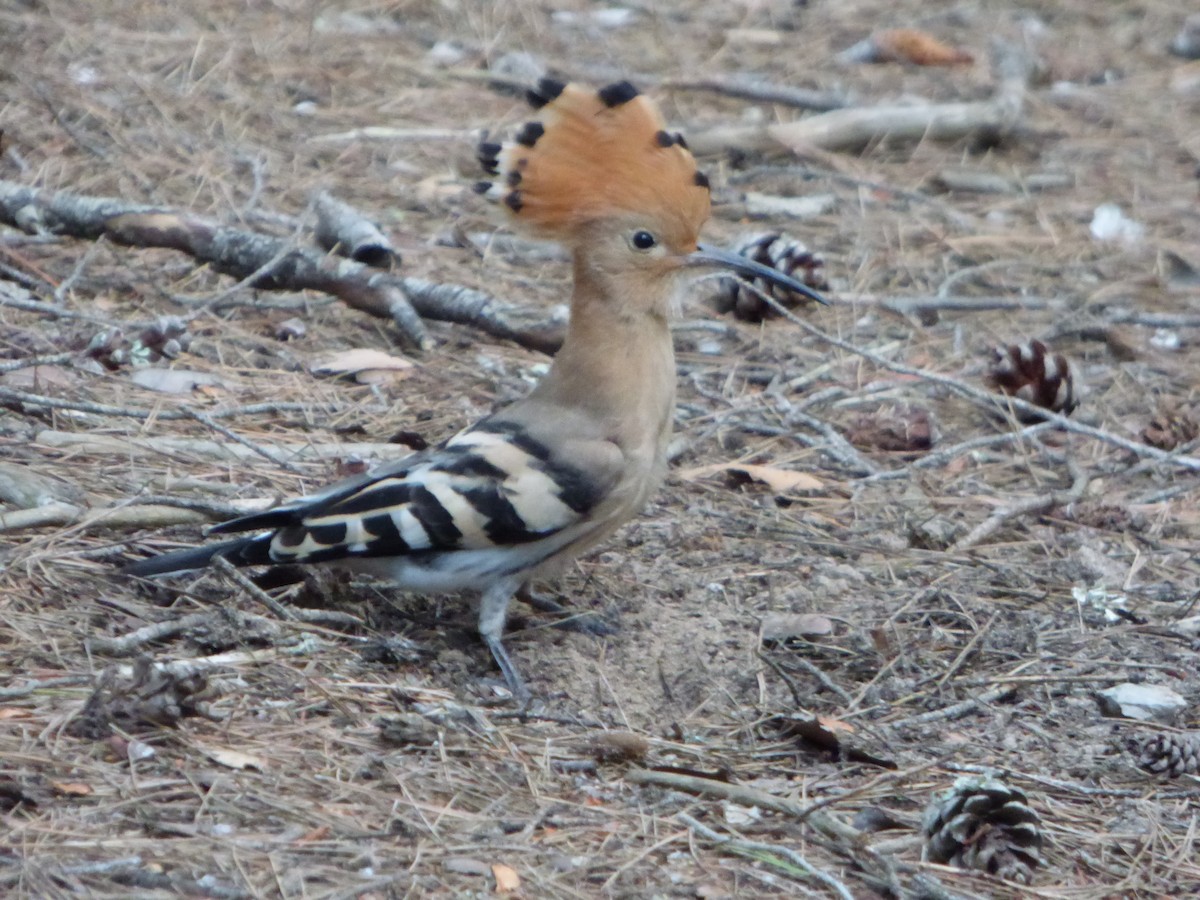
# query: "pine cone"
{"type": "Point", "coordinates": [1030, 372]}
{"type": "Point", "coordinates": [1168, 754]}
{"type": "Point", "coordinates": [1170, 427]}
{"type": "Point", "coordinates": [777, 251]}
{"type": "Point", "coordinates": [982, 823]}
{"type": "Point", "coordinates": [167, 337]}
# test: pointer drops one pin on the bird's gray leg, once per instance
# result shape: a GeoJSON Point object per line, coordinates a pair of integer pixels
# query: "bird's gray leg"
{"type": "Point", "coordinates": [582, 622]}
{"type": "Point", "coordinates": [493, 610]}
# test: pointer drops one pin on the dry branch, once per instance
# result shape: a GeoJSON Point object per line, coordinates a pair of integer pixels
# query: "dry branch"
{"type": "Point", "coordinates": [124, 515]}
{"type": "Point", "coordinates": [272, 263]}
{"type": "Point", "coordinates": [1030, 506]}
{"type": "Point", "coordinates": [852, 129]}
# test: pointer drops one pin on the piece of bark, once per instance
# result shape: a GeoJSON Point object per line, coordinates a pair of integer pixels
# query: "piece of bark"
{"type": "Point", "coordinates": [344, 230]}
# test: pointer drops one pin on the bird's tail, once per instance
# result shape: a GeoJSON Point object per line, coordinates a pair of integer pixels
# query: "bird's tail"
{"type": "Point", "coordinates": [590, 154]}
{"type": "Point", "coordinates": [247, 551]}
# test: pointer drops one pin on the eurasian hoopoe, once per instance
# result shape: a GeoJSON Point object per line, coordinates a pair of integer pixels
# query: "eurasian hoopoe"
{"type": "Point", "coordinates": [537, 483]}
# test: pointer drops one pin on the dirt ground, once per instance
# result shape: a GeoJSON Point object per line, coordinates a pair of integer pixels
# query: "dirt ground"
{"type": "Point", "coordinates": [363, 748]}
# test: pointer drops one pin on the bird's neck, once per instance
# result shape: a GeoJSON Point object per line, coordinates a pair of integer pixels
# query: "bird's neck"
{"type": "Point", "coordinates": [617, 361]}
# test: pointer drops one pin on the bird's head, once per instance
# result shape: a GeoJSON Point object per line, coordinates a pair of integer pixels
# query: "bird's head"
{"type": "Point", "coordinates": [599, 171]}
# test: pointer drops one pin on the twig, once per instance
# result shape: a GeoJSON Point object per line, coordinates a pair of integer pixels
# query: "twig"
{"type": "Point", "coordinates": [33, 361]}
{"type": "Point", "coordinates": [766, 853]}
{"type": "Point", "coordinates": [17, 297]}
{"type": "Point", "coordinates": [126, 516]}
{"type": "Point", "coordinates": [760, 91]}
{"type": "Point", "coordinates": [1070, 787]}
{"type": "Point", "coordinates": [746, 796]}
{"type": "Point", "coordinates": [982, 398]}
{"type": "Point", "coordinates": [46, 684]}
{"type": "Point", "coordinates": [811, 669]}
{"type": "Point", "coordinates": [130, 643]}
{"type": "Point", "coordinates": [217, 450]}
{"type": "Point", "coordinates": [1030, 506]}
{"type": "Point", "coordinates": [915, 306]}
{"type": "Point", "coordinates": [101, 409]}
{"type": "Point", "coordinates": [226, 568]}
{"type": "Point", "coordinates": [966, 651]}
{"type": "Point", "coordinates": [808, 173]}
{"type": "Point", "coordinates": [941, 457]}
{"type": "Point", "coordinates": [265, 453]}
{"type": "Point", "coordinates": [957, 710]}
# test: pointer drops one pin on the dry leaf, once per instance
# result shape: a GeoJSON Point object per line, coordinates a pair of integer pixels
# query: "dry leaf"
{"type": "Point", "coordinates": [320, 833]}
{"type": "Point", "coordinates": [173, 381]}
{"type": "Point", "coordinates": [366, 365]}
{"type": "Point", "coordinates": [40, 377]}
{"type": "Point", "coordinates": [72, 788]}
{"type": "Point", "coordinates": [781, 481]}
{"type": "Point", "coordinates": [465, 865]}
{"type": "Point", "coordinates": [919, 48]}
{"type": "Point", "coordinates": [236, 759]}
{"type": "Point", "coordinates": [507, 879]}
{"type": "Point", "coordinates": [832, 735]}
{"type": "Point", "coordinates": [11, 712]}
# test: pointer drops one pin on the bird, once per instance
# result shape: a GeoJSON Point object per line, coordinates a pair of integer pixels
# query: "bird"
{"type": "Point", "coordinates": [532, 486]}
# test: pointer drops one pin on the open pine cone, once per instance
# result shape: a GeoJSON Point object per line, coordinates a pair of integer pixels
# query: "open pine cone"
{"type": "Point", "coordinates": [982, 823]}
{"type": "Point", "coordinates": [1171, 427]}
{"type": "Point", "coordinates": [1168, 754]}
{"type": "Point", "coordinates": [777, 251]}
{"type": "Point", "coordinates": [1031, 372]}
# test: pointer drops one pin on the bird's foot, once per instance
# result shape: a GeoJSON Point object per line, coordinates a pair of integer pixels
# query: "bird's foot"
{"type": "Point", "coordinates": [512, 678]}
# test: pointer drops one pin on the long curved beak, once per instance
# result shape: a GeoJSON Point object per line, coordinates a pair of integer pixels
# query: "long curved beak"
{"type": "Point", "coordinates": [711, 257]}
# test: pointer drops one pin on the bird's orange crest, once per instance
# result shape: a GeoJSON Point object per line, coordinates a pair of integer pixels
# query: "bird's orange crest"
{"type": "Point", "coordinates": [592, 154]}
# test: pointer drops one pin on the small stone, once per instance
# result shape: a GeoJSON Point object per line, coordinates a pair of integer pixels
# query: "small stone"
{"type": "Point", "coordinates": [1147, 702]}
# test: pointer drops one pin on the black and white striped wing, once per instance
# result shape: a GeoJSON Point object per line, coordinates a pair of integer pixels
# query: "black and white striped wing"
{"type": "Point", "coordinates": [491, 487]}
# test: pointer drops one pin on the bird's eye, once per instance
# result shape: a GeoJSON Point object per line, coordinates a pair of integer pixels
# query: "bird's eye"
{"type": "Point", "coordinates": [643, 240]}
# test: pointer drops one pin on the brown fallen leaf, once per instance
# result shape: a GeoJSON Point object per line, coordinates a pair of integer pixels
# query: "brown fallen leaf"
{"type": "Point", "coordinates": [367, 366]}
{"type": "Point", "coordinates": [507, 879]}
{"type": "Point", "coordinates": [781, 481]}
{"type": "Point", "coordinates": [10, 712]}
{"type": "Point", "coordinates": [72, 788]}
{"type": "Point", "coordinates": [919, 48]}
{"type": "Point", "coordinates": [320, 833]}
{"type": "Point", "coordinates": [832, 735]}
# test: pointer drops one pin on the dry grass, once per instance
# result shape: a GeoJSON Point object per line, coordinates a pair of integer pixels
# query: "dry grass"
{"type": "Point", "coordinates": [327, 768]}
